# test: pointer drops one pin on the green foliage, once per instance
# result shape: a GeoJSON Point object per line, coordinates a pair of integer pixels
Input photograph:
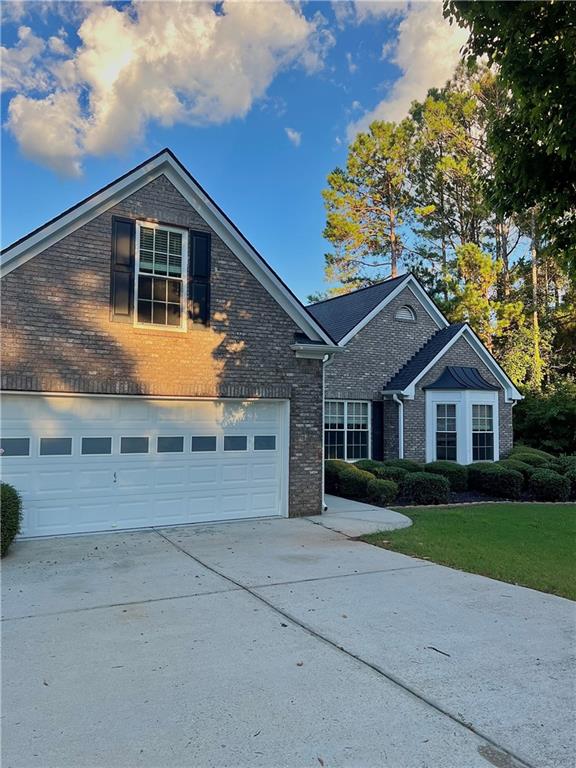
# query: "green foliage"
{"type": "Point", "coordinates": [531, 458]}
{"type": "Point", "coordinates": [548, 420]}
{"type": "Point", "coordinates": [533, 139]}
{"type": "Point", "coordinates": [565, 464]}
{"type": "Point", "coordinates": [425, 488]}
{"type": "Point", "coordinates": [546, 485]}
{"type": "Point", "coordinates": [346, 480]}
{"type": "Point", "coordinates": [10, 516]}
{"type": "Point", "coordinates": [570, 474]}
{"type": "Point", "coordinates": [456, 474]}
{"type": "Point", "coordinates": [521, 448]}
{"type": "Point", "coordinates": [495, 480]}
{"type": "Point", "coordinates": [381, 492]}
{"type": "Point", "coordinates": [406, 464]}
{"type": "Point", "coordinates": [518, 466]}
{"type": "Point", "coordinates": [381, 470]}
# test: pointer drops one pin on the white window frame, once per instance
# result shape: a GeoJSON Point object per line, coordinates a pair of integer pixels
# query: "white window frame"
{"type": "Point", "coordinates": [464, 400]}
{"type": "Point", "coordinates": [183, 278]}
{"type": "Point", "coordinates": [437, 431]}
{"type": "Point", "coordinates": [345, 429]}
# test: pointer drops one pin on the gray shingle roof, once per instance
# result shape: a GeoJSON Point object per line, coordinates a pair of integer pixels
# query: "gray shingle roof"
{"type": "Point", "coordinates": [460, 377]}
{"type": "Point", "coordinates": [341, 314]}
{"type": "Point", "coordinates": [422, 358]}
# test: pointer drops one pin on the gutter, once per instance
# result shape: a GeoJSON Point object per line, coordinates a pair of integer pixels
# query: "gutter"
{"type": "Point", "coordinates": [400, 404]}
{"type": "Point", "coordinates": [326, 360]}
{"type": "Point", "coordinates": [315, 351]}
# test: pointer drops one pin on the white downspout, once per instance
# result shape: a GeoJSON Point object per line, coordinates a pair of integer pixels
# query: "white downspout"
{"type": "Point", "coordinates": [326, 360]}
{"type": "Point", "coordinates": [400, 404]}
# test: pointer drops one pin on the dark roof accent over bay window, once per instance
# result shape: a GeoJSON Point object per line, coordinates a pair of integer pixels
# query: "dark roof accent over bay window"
{"type": "Point", "coordinates": [460, 377]}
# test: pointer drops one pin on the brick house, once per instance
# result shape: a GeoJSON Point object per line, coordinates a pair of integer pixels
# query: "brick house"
{"type": "Point", "coordinates": [156, 371]}
{"type": "Point", "coordinates": [409, 384]}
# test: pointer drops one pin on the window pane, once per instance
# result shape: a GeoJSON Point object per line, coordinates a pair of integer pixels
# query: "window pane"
{"type": "Point", "coordinates": [446, 447]}
{"type": "Point", "coordinates": [160, 263]}
{"type": "Point", "coordinates": [55, 446]}
{"type": "Point", "coordinates": [144, 287]}
{"type": "Point", "coordinates": [483, 446]}
{"type": "Point", "coordinates": [134, 445]}
{"type": "Point", "coordinates": [334, 414]}
{"type": "Point", "coordinates": [175, 247]}
{"type": "Point", "coordinates": [159, 313]}
{"type": "Point", "coordinates": [146, 239]}
{"type": "Point", "coordinates": [357, 445]}
{"type": "Point", "coordinates": [235, 443]}
{"type": "Point", "coordinates": [14, 446]}
{"type": "Point", "coordinates": [174, 291]}
{"type": "Point", "coordinates": [161, 241]}
{"type": "Point", "coordinates": [146, 261]}
{"type": "Point", "coordinates": [201, 443]}
{"type": "Point", "coordinates": [357, 415]}
{"type": "Point", "coordinates": [334, 444]}
{"type": "Point", "coordinates": [170, 444]}
{"type": "Point", "coordinates": [144, 311]}
{"type": "Point", "coordinates": [96, 445]}
{"type": "Point", "coordinates": [265, 443]}
{"type": "Point", "coordinates": [159, 289]}
{"type": "Point", "coordinates": [173, 314]}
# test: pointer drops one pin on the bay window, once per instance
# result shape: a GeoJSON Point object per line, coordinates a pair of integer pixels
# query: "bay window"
{"type": "Point", "coordinates": [347, 429]}
{"type": "Point", "coordinates": [446, 432]}
{"type": "Point", "coordinates": [482, 433]}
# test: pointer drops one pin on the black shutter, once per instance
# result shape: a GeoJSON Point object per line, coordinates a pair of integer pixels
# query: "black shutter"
{"type": "Point", "coordinates": [377, 430]}
{"type": "Point", "coordinates": [122, 271]}
{"type": "Point", "coordinates": [199, 277]}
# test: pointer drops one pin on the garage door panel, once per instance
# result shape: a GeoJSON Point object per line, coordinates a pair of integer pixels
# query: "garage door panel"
{"type": "Point", "coordinates": [85, 492]}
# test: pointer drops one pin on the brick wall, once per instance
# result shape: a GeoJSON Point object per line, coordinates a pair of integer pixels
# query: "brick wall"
{"type": "Point", "coordinates": [57, 335]}
{"type": "Point", "coordinates": [378, 351]}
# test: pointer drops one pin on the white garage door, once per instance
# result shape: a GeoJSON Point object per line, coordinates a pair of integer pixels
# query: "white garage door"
{"type": "Point", "coordinates": [101, 463]}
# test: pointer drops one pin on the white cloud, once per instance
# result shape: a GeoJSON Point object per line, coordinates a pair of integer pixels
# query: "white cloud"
{"type": "Point", "coordinates": [294, 136]}
{"type": "Point", "coordinates": [352, 66]}
{"type": "Point", "coordinates": [151, 61]}
{"type": "Point", "coordinates": [347, 12]}
{"type": "Point", "coordinates": [427, 52]}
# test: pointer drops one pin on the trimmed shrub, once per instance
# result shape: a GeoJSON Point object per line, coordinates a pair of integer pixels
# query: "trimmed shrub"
{"type": "Point", "coordinates": [546, 485]}
{"type": "Point", "coordinates": [380, 470]}
{"type": "Point", "coordinates": [519, 448]}
{"type": "Point", "coordinates": [407, 464]}
{"type": "Point", "coordinates": [495, 480]}
{"type": "Point", "coordinates": [531, 458]}
{"type": "Point", "coordinates": [518, 466]}
{"type": "Point", "coordinates": [425, 488]}
{"type": "Point", "coordinates": [332, 469]}
{"type": "Point", "coordinates": [456, 474]}
{"type": "Point", "coordinates": [570, 474]}
{"type": "Point", "coordinates": [346, 480]}
{"type": "Point", "coordinates": [565, 463]}
{"type": "Point", "coordinates": [10, 515]}
{"type": "Point", "coordinates": [381, 492]}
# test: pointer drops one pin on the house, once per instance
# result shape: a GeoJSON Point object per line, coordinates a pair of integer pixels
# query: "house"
{"type": "Point", "coordinates": [155, 370]}
{"type": "Point", "coordinates": [409, 384]}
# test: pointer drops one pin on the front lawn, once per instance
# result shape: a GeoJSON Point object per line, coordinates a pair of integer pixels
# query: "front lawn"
{"type": "Point", "coordinates": [533, 545]}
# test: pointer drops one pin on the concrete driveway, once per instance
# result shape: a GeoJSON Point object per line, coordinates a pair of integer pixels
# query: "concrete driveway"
{"type": "Point", "coordinates": [275, 643]}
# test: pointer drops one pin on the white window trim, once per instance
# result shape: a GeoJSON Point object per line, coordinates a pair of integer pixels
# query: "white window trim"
{"type": "Point", "coordinates": [183, 327]}
{"type": "Point", "coordinates": [464, 400]}
{"type": "Point", "coordinates": [345, 430]}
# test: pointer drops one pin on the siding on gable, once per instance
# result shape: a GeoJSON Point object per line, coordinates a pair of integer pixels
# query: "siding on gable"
{"type": "Point", "coordinates": [57, 335]}
{"type": "Point", "coordinates": [378, 351]}
{"type": "Point", "coordinates": [461, 353]}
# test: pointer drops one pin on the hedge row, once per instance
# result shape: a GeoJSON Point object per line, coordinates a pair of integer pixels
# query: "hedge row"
{"type": "Point", "coordinates": [10, 516]}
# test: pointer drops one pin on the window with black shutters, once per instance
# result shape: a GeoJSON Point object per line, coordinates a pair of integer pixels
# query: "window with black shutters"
{"type": "Point", "coordinates": [160, 275]}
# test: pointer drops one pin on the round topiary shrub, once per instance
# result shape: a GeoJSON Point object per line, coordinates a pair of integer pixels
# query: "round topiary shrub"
{"type": "Point", "coordinates": [570, 475]}
{"type": "Point", "coordinates": [390, 473]}
{"type": "Point", "coordinates": [565, 463]}
{"type": "Point", "coordinates": [332, 469]}
{"type": "Point", "coordinates": [425, 488]}
{"type": "Point", "coordinates": [495, 480]}
{"type": "Point", "coordinates": [353, 483]}
{"type": "Point", "coordinates": [456, 474]}
{"type": "Point", "coordinates": [546, 485]}
{"type": "Point", "coordinates": [531, 458]}
{"type": "Point", "coordinates": [407, 464]}
{"type": "Point", "coordinates": [519, 448]}
{"type": "Point", "coordinates": [368, 465]}
{"type": "Point", "coordinates": [525, 470]}
{"type": "Point", "coordinates": [381, 492]}
{"type": "Point", "coordinates": [10, 515]}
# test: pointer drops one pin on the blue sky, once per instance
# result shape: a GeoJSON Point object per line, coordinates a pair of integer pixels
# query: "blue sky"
{"type": "Point", "coordinates": [260, 109]}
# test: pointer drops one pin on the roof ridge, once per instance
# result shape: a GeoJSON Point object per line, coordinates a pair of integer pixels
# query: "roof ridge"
{"type": "Point", "coordinates": [358, 290]}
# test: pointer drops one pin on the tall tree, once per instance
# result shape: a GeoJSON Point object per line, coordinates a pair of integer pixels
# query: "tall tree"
{"type": "Point", "coordinates": [534, 141]}
{"type": "Point", "coordinates": [367, 204]}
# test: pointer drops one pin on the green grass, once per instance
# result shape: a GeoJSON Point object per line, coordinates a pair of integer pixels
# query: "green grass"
{"type": "Point", "coordinates": [529, 544]}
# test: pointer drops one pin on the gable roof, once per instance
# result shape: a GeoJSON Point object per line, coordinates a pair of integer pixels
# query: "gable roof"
{"type": "Point", "coordinates": [408, 376]}
{"type": "Point", "coordinates": [344, 316]}
{"type": "Point", "coordinates": [423, 357]}
{"type": "Point", "coordinates": [460, 377]}
{"type": "Point", "coordinates": [167, 164]}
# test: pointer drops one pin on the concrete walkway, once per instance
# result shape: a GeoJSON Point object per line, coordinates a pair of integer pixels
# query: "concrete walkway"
{"type": "Point", "coordinates": [353, 518]}
{"type": "Point", "coordinates": [275, 643]}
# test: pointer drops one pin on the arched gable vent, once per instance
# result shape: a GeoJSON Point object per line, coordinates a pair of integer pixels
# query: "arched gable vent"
{"type": "Point", "coordinates": [405, 313]}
